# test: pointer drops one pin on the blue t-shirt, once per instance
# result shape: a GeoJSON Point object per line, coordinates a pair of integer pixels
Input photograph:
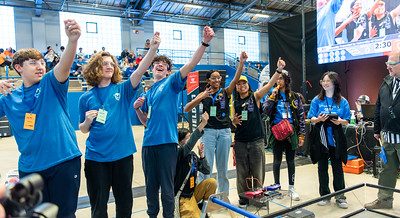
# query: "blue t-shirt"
{"type": "Point", "coordinates": [53, 140]}
{"type": "Point", "coordinates": [114, 139]}
{"type": "Point", "coordinates": [327, 106]}
{"type": "Point", "coordinates": [162, 97]}
{"type": "Point", "coordinates": [326, 23]}
{"type": "Point", "coordinates": [283, 109]}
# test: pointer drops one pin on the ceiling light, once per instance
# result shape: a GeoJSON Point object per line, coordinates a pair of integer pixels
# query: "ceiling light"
{"type": "Point", "coordinates": [262, 15]}
{"type": "Point", "coordinates": [193, 6]}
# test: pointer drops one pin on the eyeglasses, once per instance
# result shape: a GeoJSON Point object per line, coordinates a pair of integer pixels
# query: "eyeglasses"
{"type": "Point", "coordinates": [215, 78]}
{"type": "Point", "coordinates": [37, 62]}
{"type": "Point", "coordinates": [392, 63]}
{"type": "Point", "coordinates": [106, 63]}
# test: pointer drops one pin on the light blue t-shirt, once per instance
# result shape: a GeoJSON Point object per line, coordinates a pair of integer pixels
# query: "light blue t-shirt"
{"type": "Point", "coordinates": [114, 139]}
{"type": "Point", "coordinates": [53, 140]}
{"type": "Point", "coordinates": [163, 100]}
{"type": "Point", "coordinates": [327, 106]}
{"type": "Point", "coordinates": [326, 23]}
{"type": "Point", "coordinates": [283, 109]}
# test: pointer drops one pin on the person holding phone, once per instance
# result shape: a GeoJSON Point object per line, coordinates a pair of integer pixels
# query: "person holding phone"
{"type": "Point", "coordinates": [329, 110]}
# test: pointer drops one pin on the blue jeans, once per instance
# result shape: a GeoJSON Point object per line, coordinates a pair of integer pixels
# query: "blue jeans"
{"type": "Point", "coordinates": [217, 142]}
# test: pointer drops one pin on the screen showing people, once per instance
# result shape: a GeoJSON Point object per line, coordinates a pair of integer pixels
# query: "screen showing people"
{"type": "Point", "coordinates": [355, 29]}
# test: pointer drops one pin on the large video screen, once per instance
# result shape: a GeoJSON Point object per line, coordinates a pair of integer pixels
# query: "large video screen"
{"type": "Point", "coordinates": [355, 29]}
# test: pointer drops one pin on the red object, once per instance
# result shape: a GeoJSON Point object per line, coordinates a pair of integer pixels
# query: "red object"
{"type": "Point", "coordinates": [192, 82]}
{"type": "Point", "coordinates": [354, 166]}
{"type": "Point", "coordinates": [252, 194]}
{"type": "Point", "coordinates": [282, 130]}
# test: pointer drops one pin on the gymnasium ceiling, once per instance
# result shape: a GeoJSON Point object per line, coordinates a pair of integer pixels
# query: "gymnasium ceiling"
{"type": "Point", "coordinates": [252, 15]}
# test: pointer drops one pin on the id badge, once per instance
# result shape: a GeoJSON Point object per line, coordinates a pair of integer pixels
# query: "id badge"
{"type": "Point", "coordinates": [244, 115]}
{"type": "Point", "coordinates": [29, 122]}
{"type": "Point", "coordinates": [285, 115]}
{"type": "Point", "coordinates": [213, 111]}
{"type": "Point", "coordinates": [149, 113]}
{"type": "Point", "coordinates": [192, 182]}
{"type": "Point", "coordinates": [101, 116]}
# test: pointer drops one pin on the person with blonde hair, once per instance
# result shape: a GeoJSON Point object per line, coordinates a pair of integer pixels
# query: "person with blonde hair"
{"type": "Point", "coordinates": [104, 113]}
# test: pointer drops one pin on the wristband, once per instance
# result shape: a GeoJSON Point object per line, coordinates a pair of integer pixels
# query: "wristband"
{"type": "Point", "coordinates": [205, 44]}
{"type": "Point", "coordinates": [278, 71]}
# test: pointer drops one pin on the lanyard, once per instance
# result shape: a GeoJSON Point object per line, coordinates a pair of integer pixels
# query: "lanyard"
{"type": "Point", "coordinates": [193, 167]}
{"type": "Point", "coordinates": [215, 96]}
{"type": "Point", "coordinates": [96, 94]}
{"type": "Point", "coordinates": [37, 92]}
{"type": "Point", "coordinates": [330, 108]}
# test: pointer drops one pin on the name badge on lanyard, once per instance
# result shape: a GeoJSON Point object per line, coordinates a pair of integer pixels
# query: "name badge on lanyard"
{"type": "Point", "coordinates": [244, 114]}
{"type": "Point", "coordinates": [29, 122]}
{"type": "Point", "coordinates": [102, 116]}
{"type": "Point", "coordinates": [213, 111]}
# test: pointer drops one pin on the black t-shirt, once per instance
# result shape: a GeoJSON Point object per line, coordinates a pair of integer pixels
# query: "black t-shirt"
{"type": "Point", "coordinates": [384, 26]}
{"type": "Point", "coordinates": [361, 21]}
{"type": "Point", "coordinates": [252, 128]}
{"type": "Point", "coordinates": [220, 100]}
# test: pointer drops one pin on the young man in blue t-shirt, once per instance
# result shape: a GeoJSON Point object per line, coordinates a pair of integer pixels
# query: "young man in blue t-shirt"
{"type": "Point", "coordinates": [158, 110]}
{"type": "Point", "coordinates": [38, 114]}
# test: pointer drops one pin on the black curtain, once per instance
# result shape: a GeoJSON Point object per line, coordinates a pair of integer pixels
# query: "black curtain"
{"type": "Point", "coordinates": [285, 41]}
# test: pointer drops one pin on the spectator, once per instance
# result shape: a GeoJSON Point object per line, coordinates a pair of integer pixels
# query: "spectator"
{"type": "Point", "coordinates": [129, 70]}
{"type": "Point", "coordinates": [147, 44]}
{"type": "Point", "coordinates": [80, 53]}
{"type": "Point", "coordinates": [62, 48]}
{"type": "Point", "coordinates": [4, 60]}
{"type": "Point", "coordinates": [139, 59]}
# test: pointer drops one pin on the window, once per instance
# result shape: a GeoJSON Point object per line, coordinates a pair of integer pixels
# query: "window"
{"type": "Point", "coordinates": [177, 35]}
{"type": "Point", "coordinates": [236, 41]}
{"type": "Point", "coordinates": [7, 27]}
{"type": "Point", "coordinates": [91, 27]}
{"type": "Point", "coordinates": [97, 31]}
{"type": "Point", "coordinates": [242, 40]}
{"type": "Point", "coordinates": [178, 40]}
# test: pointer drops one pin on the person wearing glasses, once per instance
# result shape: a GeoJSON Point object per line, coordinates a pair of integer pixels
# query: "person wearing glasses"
{"type": "Point", "coordinates": [104, 113]}
{"type": "Point", "coordinates": [329, 111]}
{"type": "Point", "coordinates": [387, 130]}
{"type": "Point", "coordinates": [217, 136]}
{"type": "Point", "coordinates": [47, 141]}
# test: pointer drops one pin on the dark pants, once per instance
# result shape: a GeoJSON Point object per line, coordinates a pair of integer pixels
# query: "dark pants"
{"type": "Point", "coordinates": [388, 176]}
{"type": "Point", "coordinates": [61, 186]}
{"type": "Point", "coordinates": [250, 161]}
{"type": "Point", "coordinates": [277, 150]}
{"type": "Point", "coordinates": [101, 176]}
{"type": "Point", "coordinates": [337, 170]}
{"type": "Point", "coordinates": [159, 165]}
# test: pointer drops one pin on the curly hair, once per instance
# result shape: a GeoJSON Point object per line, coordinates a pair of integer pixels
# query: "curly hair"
{"type": "Point", "coordinates": [23, 55]}
{"type": "Point", "coordinates": [93, 71]}
{"type": "Point", "coordinates": [163, 58]}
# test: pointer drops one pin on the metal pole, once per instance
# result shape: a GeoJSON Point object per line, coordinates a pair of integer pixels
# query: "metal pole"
{"type": "Point", "coordinates": [233, 208]}
{"type": "Point", "coordinates": [303, 49]}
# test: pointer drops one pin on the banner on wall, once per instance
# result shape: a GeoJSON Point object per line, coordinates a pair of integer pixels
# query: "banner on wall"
{"type": "Point", "coordinates": [192, 85]}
